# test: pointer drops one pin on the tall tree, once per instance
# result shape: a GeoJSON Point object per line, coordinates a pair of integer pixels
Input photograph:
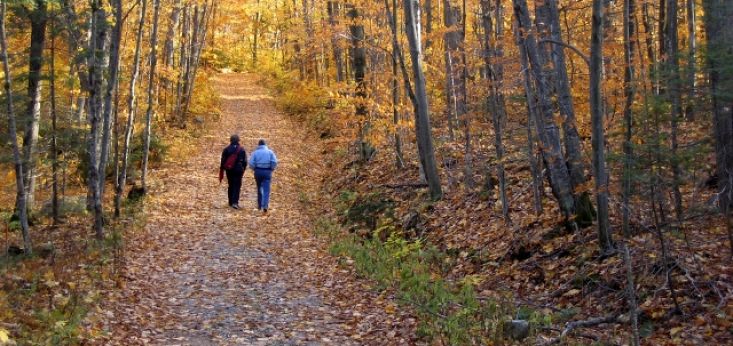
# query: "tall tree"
{"type": "Point", "coordinates": [547, 129]}
{"type": "Point", "coordinates": [13, 134]}
{"type": "Point", "coordinates": [151, 95]}
{"type": "Point", "coordinates": [358, 63]}
{"type": "Point", "coordinates": [691, 56]}
{"type": "Point", "coordinates": [333, 14]}
{"type": "Point", "coordinates": [131, 110]}
{"type": "Point", "coordinates": [596, 107]}
{"type": "Point", "coordinates": [96, 84]}
{"type": "Point", "coordinates": [672, 68]}
{"type": "Point", "coordinates": [629, 28]}
{"type": "Point", "coordinates": [38, 15]}
{"type": "Point", "coordinates": [114, 68]}
{"type": "Point", "coordinates": [423, 128]}
{"type": "Point", "coordinates": [493, 51]}
{"type": "Point", "coordinates": [720, 59]}
{"type": "Point", "coordinates": [396, 59]}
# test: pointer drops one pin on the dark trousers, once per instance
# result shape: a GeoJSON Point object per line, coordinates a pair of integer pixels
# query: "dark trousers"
{"type": "Point", "coordinates": [234, 179]}
{"type": "Point", "coordinates": [263, 178]}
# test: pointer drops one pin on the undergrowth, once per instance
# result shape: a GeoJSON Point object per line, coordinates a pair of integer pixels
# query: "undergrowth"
{"type": "Point", "coordinates": [447, 311]}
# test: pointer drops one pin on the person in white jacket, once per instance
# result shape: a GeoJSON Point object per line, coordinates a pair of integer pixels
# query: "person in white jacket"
{"type": "Point", "coordinates": [263, 162]}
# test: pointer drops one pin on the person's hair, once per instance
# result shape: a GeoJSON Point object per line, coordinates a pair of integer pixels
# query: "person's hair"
{"type": "Point", "coordinates": [234, 139]}
{"type": "Point", "coordinates": [261, 142]}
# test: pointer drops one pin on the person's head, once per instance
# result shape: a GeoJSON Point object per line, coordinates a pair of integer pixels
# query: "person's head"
{"type": "Point", "coordinates": [234, 139]}
{"type": "Point", "coordinates": [261, 142]}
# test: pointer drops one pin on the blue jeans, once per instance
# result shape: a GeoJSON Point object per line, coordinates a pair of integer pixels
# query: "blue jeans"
{"type": "Point", "coordinates": [263, 177]}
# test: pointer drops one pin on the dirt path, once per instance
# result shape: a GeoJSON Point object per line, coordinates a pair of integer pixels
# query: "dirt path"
{"type": "Point", "coordinates": [205, 274]}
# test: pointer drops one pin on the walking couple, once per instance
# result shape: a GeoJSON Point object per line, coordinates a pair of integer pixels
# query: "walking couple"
{"type": "Point", "coordinates": [234, 162]}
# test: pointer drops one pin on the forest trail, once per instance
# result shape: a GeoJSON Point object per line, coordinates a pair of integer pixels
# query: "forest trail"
{"type": "Point", "coordinates": [205, 274]}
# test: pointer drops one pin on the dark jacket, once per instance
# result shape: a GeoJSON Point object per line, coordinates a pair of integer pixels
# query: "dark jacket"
{"type": "Point", "coordinates": [241, 164]}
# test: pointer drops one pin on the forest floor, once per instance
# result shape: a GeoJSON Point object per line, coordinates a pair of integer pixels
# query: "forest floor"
{"type": "Point", "coordinates": [202, 273]}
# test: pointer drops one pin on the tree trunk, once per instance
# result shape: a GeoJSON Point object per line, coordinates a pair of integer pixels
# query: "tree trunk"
{"type": "Point", "coordinates": [556, 55]}
{"type": "Point", "coordinates": [547, 129]}
{"type": "Point", "coordinates": [333, 13]}
{"type": "Point", "coordinates": [650, 51]}
{"type": "Point", "coordinates": [720, 55]}
{"type": "Point", "coordinates": [691, 56]}
{"type": "Point", "coordinates": [182, 64]}
{"type": "Point", "coordinates": [495, 73]}
{"type": "Point", "coordinates": [39, 20]}
{"type": "Point", "coordinates": [13, 134]}
{"type": "Point", "coordinates": [131, 110]}
{"type": "Point", "coordinates": [255, 34]}
{"type": "Point", "coordinates": [422, 114]}
{"type": "Point", "coordinates": [531, 116]}
{"type": "Point", "coordinates": [169, 46]}
{"type": "Point", "coordinates": [197, 48]}
{"type": "Point", "coordinates": [114, 58]}
{"type": "Point", "coordinates": [674, 94]}
{"type": "Point", "coordinates": [598, 140]}
{"type": "Point", "coordinates": [629, 29]}
{"type": "Point", "coordinates": [396, 116]}
{"type": "Point", "coordinates": [358, 63]}
{"type": "Point", "coordinates": [428, 22]}
{"type": "Point", "coordinates": [96, 83]}
{"type": "Point", "coordinates": [54, 136]}
{"type": "Point", "coordinates": [151, 96]}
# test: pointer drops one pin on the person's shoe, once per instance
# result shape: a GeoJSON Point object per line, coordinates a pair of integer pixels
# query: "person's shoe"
{"type": "Point", "coordinates": [235, 206]}
{"type": "Point", "coordinates": [264, 211]}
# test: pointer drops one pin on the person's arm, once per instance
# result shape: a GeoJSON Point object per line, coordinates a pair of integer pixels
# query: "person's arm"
{"type": "Point", "coordinates": [273, 160]}
{"type": "Point", "coordinates": [221, 165]}
{"type": "Point", "coordinates": [252, 160]}
{"type": "Point", "coordinates": [243, 159]}
{"type": "Point", "coordinates": [223, 158]}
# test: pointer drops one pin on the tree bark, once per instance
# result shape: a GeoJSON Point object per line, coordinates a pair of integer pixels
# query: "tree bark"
{"type": "Point", "coordinates": [674, 94]}
{"type": "Point", "coordinates": [358, 65]}
{"type": "Point", "coordinates": [531, 116]}
{"type": "Point", "coordinates": [691, 56]}
{"type": "Point", "coordinates": [493, 36]}
{"type": "Point", "coordinates": [719, 58]}
{"type": "Point", "coordinates": [131, 110]}
{"type": "Point", "coordinates": [598, 140]}
{"type": "Point", "coordinates": [396, 53]}
{"type": "Point", "coordinates": [151, 95]}
{"type": "Point", "coordinates": [629, 29]}
{"type": "Point", "coordinates": [554, 54]}
{"type": "Point", "coordinates": [547, 130]}
{"type": "Point", "coordinates": [333, 14]}
{"type": "Point", "coordinates": [54, 136]}
{"type": "Point", "coordinates": [96, 84]}
{"type": "Point", "coordinates": [13, 134]}
{"type": "Point", "coordinates": [114, 58]}
{"type": "Point", "coordinates": [422, 114]}
{"type": "Point", "coordinates": [39, 20]}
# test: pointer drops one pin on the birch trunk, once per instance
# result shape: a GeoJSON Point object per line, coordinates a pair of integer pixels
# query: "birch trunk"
{"type": "Point", "coordinates": [114, 58]}
{"type": "Point", "coordinates": [39, 20]}
{"type": "Point", "coordinates": [151, 96]}
{"type": "Point", "coordinates": [422, 114]}
{"type": "Point", "coordinates": [131, 110]}
{"type": "Point", "coordinates": [13, 134]}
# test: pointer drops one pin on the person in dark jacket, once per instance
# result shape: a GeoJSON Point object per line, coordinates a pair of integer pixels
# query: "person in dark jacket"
{"type": "Point", "coordinates": [233, 162]}
{"type": "Point", "coordinates": [263, 161]}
